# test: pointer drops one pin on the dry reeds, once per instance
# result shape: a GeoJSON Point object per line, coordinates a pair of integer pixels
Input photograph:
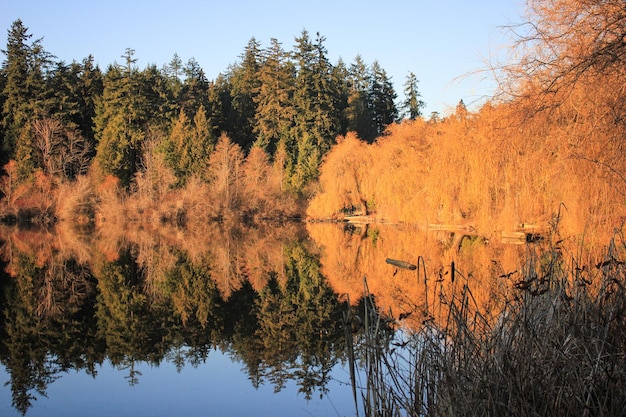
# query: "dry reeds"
{"type": "Point", "coordinates": [556, 346]}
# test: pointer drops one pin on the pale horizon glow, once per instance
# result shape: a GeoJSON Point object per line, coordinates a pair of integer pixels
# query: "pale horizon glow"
{"type": "Point", "coordinates": [443, 43]}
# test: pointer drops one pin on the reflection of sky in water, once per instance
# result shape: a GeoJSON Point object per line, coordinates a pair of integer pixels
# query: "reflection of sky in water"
{"type": "Point", "coordinates": [218, 387]}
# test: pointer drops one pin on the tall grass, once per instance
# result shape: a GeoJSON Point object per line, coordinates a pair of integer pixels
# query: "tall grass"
{"type": "Point", "coordinates": [556, 346]}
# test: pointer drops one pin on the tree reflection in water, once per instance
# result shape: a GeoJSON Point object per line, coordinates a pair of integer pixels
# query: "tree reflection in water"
{"type": "Point", "coordinates": [150, 301]}
{"type": "Point", "coordinates": [274, 299]}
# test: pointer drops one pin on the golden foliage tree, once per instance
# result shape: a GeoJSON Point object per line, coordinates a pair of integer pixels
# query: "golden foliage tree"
{"type": "Point", "coordinates": [225, 172]}
{"type": "Point", "coordinates": [342, 178]}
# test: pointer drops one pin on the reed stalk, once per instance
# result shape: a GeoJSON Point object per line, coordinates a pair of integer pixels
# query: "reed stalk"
{"type": "Point", "coordinates": [556, 346]}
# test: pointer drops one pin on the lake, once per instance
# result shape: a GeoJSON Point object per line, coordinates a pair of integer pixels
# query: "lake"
{"type": "Point", "coordinates": [238, 323]}
{"type": "Point", "coordinates": [235, 320]}
{"type": "Point", "coordinates": [217, 386]}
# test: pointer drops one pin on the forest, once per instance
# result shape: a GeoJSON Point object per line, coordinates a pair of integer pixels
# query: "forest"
{"type": "Point", "coordinates": [286, 134]}
{"type": "Point", "coordinates": [170, 142]}
{"type": "Point", "coordinates": [139, 214]}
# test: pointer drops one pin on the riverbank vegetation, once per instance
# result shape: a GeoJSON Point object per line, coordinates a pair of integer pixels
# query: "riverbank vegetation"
{"type": "Point", "coordinates": [551, 344]}
{"type": "Point", "coordinates": [287, 134]}
{"type": "Point", "coordinates": [152, 177]}
{"type": "Point", "coordinates": [167, 144]}
{"type": "Point", "coordinates": [550, 141]}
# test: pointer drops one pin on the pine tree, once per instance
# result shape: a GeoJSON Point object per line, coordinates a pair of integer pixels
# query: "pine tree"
{"type": "Point", "coordinates": [203, 140]}
{"type": "Point", "coordinates": [133, 103]}
{"type": "Point", "coordinates": [217, 108]}
{"type": "Point", "coordinates": [340, 77]}
{"type": "Point", "coordinates": [359, 116]}
{"type": "Point", "coordinates": [275, 112]}
{"type": "Point", "coordinates": [155, 100]}
{"type": "Point", "coordinates": [24, 93]}
{"type": "Point", "coordinates": [115, 130]}
{"type": "Point", "coordinates": [413, 103]}
{"type": "Point", "coordinates": [187, 148]}
{"type": "Point", "coordinates": [382, 98]}
{"type": "Point", "coordinates": [316, 114]}
{"type": "Point", "coordinates": [305, 88]}
{"type": "Point", "coordinates": [317, 120]}
{"type": "Point", "coordinates": [176, 148]}
{"type": "Point", "coordinates": [244, 88]}
{"type": "Point", "coordinates": [195, 88]}
{"type": "Point", "coordinates": [15, 68]}
{"type": "Point", "coordinates": [173, 72]}
{"type": "Point", "coordinates": [63, 88]}
{"type": "Point", "coordinates": [89, 91]}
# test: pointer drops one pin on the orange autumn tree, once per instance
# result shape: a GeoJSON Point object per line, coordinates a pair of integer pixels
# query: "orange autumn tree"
{"type": "Point", "coordinates": [551, 143]}
{"type": "Point", "coordinates": [343, 179]}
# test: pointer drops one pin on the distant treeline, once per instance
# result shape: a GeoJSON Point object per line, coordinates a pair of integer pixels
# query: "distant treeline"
{"type": "Point", "coordinates": [280, 132]}
{"type": "Point", "coordinates": [69, 119]}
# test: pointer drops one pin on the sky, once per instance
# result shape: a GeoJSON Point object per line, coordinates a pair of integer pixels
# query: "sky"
{"type": "Point", "coordinates": [445, 43]}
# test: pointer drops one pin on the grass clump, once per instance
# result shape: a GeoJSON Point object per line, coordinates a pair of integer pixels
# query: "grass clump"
{"type": "Point", "coordinates": [556, 346]}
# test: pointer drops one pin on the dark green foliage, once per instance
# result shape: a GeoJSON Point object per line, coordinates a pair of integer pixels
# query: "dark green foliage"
{"type": "Point", "coordinates": [245, 85]}
{"type": "Point", "coordinates": [359, 114]}
{"type": "Point", "coordinates": [24, 93]}
{"type": "Point", "coordinates": [317, 120]}
{"type": "Point", "coordinates": [194, 91]}
{"type": "Point", "coordinates": [413, 103]}
{"type": "Point", "coordinates": [382, 99]}
{"type": "Point", "coordinates": [275, 113]}
{"type": "Point", "coordinates": [133, 102]}
{"type": "Point", "coordinates": [296, 102]}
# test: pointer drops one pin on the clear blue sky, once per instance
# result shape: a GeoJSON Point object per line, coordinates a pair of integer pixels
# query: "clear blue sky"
{"type": "Point", "coordinates": [438, 40]}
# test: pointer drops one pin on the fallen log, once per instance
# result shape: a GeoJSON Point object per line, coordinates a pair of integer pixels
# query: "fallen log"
{"type": "Point", "coordinates": [401, 264]}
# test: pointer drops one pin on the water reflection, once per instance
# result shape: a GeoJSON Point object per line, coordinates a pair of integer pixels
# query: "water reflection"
{"type": "Point", "coordinates": [274, 299]}
{"type": "Point", "coordinates": [260, 297]}
{"type": "Point", "coordinates": [351, 252]}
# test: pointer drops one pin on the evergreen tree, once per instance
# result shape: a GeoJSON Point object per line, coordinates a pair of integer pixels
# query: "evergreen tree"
{"type": "Point", "coordinates": [176, 148]}
{"type": "Point", "coordinates": [382, 98]}
{"type": "Point", "coordinates": [132, 103]}
{"type": "Point", "coordinates": [275, 113]}
{"type": "Point", "coordinates": [173, 72]}
{"type": "Point", "coordinates": [203, 139]}
{"type": "Point", "coordinates": [4, 154]}
{"type": "Point", "coordinates": [305, 88]}
{"type": "Point", "coordinates": [244, 88]}
{"type": "Point", "coordinates": [195, 89]}
{"type": "Point", "coordinates": [316, 119]}
{"type": "Point", "coordinates": [63, 88]}
{"type": "Point", "coordinates": [217, 110]}
{"type": "Point", "coordinates": [340, 77]}
{"type": "Point", "coordinates": [89, 91]}
{"type": "Point", "coordinates": [413, 103]}
{"type": "Point", "coordinates": [115, 130]}
{"type": "Point", "coordinates": [359, 116]}
{"type": "Point", "coordinates": [316, 115]}
{"type": "Point", "coordinates": [155, 99]}
{"type": "Point", "coordinates": [305, 167]}
{"type": "Point", "coordinates": [24, 93]}
{"type": "Point", "coordinates": [187, 148]}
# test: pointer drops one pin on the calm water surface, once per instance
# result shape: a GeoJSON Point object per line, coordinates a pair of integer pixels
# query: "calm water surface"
{"type": "Point", "coordinates": [232, 322]}
{"type": "Point", "coordinates": [218, 387]}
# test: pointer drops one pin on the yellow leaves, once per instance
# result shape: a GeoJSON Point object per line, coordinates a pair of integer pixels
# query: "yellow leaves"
{"type": "Point", "coordinates": [490, 170]}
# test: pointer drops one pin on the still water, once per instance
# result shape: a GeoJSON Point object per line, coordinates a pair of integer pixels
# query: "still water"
{"type": "Point", "coordinates": [218, 387]}
{"type": "Point", "coordinates": [232, 321]}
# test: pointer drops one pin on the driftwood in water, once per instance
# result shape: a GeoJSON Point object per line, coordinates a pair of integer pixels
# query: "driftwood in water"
{"type": "Point", "coordinates": [401, 264]}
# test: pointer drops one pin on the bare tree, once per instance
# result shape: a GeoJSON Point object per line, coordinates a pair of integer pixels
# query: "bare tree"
{"type": "Point", "coordinates": [563, 41]}
{"type": "Point", "coordinates": [569, 64]}
{"type": "Point", "coordinates": [62, 152]}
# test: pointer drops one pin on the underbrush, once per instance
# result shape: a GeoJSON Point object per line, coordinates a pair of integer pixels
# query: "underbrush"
{"type": "Point", "coordinates": [555, 346]}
